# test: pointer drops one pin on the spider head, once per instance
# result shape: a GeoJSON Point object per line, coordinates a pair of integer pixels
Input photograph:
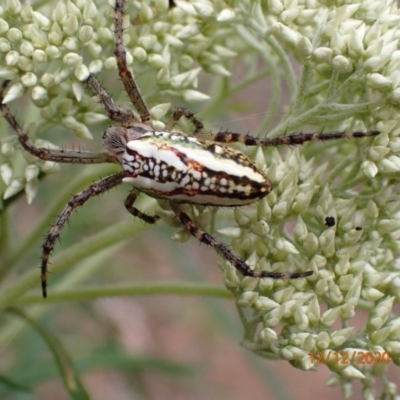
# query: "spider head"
{"type": "Point", "coordinates": [115, 138]}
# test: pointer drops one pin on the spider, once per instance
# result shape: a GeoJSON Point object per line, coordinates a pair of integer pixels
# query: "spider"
{"type": "Point", "coordinates": [198, 169]}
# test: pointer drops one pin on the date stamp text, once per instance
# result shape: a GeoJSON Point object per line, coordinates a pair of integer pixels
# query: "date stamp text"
{"type": "Point", "coordinates": [350, 357]}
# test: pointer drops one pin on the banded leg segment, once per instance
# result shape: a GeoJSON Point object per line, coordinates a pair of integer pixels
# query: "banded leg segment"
{"type": "Point", "coordinates": [125, 74]}
{"type": "Point", "coordinates": [114, 113]}
{"type": "Point", "coordinates": [288, 140]}
{"type": "Point", "coordinates": [79, 199]}
{"type": "Point", "coordinates": [189, 115]}
{"type": "Point", "coordinates": [64, 156]}
{"type": "Point", "coordinates": [135, 212]}
{"type": "Point", "coordinates": [228, 254]}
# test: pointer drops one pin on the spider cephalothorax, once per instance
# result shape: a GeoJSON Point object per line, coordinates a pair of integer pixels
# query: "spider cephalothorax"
{"type": "Point", "coordinates": [197, 169]}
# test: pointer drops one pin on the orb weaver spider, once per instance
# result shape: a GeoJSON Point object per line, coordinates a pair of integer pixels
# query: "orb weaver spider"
{"type": "Point", "coordinates": [196, 169]}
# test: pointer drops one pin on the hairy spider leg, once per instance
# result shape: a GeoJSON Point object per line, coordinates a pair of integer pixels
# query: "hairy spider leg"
{"type": "Point", "coordinates": [77, 200]}
{"type": "Point", "coordinates": [125, 74]}
{"type": "Point", "coordinates": [135, 212]}
{"type": "Point", "coordinates": [64, 156]}
{"type": "Point", "coordinates": [284, 140]}
{"type": "Point", "coordinates": [189, 115]}
{"type": "Point", "coordinates": [114, 112]}
{"type": "Point", "coordinates": [228, 254]}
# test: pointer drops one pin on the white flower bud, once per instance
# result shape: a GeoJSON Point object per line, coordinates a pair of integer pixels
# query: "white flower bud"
{"type": "Point", "coordinates": [12, 58]}
{"type": "Point", "coordinates": [13, 92]}
{"type": "Point", "coordinates": [29, 79]}
{"type": "Point", "coordinates": [341, 64]}
{"type": "Point", "coordinates": [227, 14]}
{"type": "Point", "coordinates": [95, 66]}
{"type": "Point", "coordinates": [6, 172]}
{"type": "Point", "coordinates": [352, 373]}
{"type": "Point", "coordinates": [85, 33]}
{"type": "Point", "coordinates": [275, 7]}
{"type": "Point", "coordinates": [31, 172]}
{"type": "Point", "coordinates": [73, 9]}
{"type": "Point", "coordinates": [50, 167]}
{"type": "Point", "coordinates": [330, 316]}
{"type": "Point", "coordinates": [95, 50]}
{"type": "Point", "coordinates": [70, 25]}
{"type": "Point", "coordinates": [268, 335]}
{"type": "Point", "coordinates": [82, 72]}
{"type": "Point", "coordinates": [161, 5]}
{"type": "Point", "coordinates": [31, 189]}
{"type": "Point", "coordinates": [39, 93]}
{"type": "Point", "coordinates": [146, 13]}
{"type": "Point", "coordinates": [59, 13]}
{"type": "Point", "coordinates": [9, 73]}
{"type": "Point", "coordinates": [4, 45]}
{"type": "Point", "coordinates": [163, 76]}
{"type": "Point", "coordinates": [192, 96]}
{"type": "Point", "coordinates": [38, 38]}
{"type": "Point", "coordinates": [247, 299]}
{"type": "Point", "coordinates": [72, 44]}
{"type": "Point", "coordinates": [3, 26]}
{"type": "Point", "coordinates": [7, 149]}
{"type": "Point", "coordinates": [378, 81]}
{"type": "Point", "coordinates": [148, 42]}
{"type": "Point", "coordinates": [188, 31]}
{"type": "Point", "coordinates": [77, 89]}
{"type": "Point", "coordinates": [13, 188]}
{"type": "Point", "coordinates": [158, 111]}
{"type": "Point", "coordinates": [39, 56]}
{"type": "Point", "coordinates": [156, 60]}
{"type": "Point", "coordinates": [14, 35]}
{"type": "Point", "coordinates": [289, 36]}
{"type": "Point", "coordinates": [322, 341]}
{"type": "Point", "coordinates": [40, 19]}
{"type": "Point", "coordinates": [53, 52]}
{"type": "Point", "coordinates": [72, 59]}
{"type": "Point", "coordinates": [369, 168]}
{"type": "Point", "coordinates": [13, 6]}
{"type": "Point", "coordinates": [90, 12]}
{"type": "Point", "coordinates": [304, 47]}
{"type": "Point", "coordinates": [47, 80]}
{"type": "Point", "coordinates": [110, 64]}
{"type": "Point", "coordinates": [26, 49]}
{"type": "Point", "coordinates": [56, 35]}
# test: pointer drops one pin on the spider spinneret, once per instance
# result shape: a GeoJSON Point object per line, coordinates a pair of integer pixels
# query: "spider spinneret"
{"type": "Point", "coordinates": [199, 170]}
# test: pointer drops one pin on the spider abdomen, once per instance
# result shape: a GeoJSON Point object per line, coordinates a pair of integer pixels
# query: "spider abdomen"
{"type": "Point", "coordinates": [183, 169]}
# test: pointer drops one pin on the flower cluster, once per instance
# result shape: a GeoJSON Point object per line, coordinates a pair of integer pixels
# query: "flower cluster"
{"type": "Point", "coordinates": [350, 80]}
{"type": "Point", "coordinates": [50, 53]}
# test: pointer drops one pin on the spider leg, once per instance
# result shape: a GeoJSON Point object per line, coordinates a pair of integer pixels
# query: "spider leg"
{"type": "Point", "coordinates": [79, 199]}
{"type": "Point", "coordinates": [288, 140]}
{"type": "Point", "coordinates": [114, 113]}
{"type": "Point", "coordinates": [65, 156]}
{"type": "Point", "coordinates": [178, 114]}
{"type": "Point", "coordinates": [125, 74]}
{"type": "Point", "coordinates": [228, 254]}
{"type": "Point", "coordinates": [135, 212]}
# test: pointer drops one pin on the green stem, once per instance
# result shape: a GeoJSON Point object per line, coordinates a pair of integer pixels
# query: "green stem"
{"type": "Point", "coordinates": [144, 289]}
{"type": "Point", "coordinates": [83, 179]}
{"type": "Point", "coordinates": [67, 258]}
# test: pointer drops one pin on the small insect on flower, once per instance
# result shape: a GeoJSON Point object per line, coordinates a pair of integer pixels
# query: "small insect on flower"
{"type": "Point", "coordinates": [197, 169]}
{"type": "Point", "coordinates": [330, 221]}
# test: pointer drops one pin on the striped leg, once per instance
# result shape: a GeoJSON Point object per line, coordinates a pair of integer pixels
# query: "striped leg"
{"type": "Point", "coordinates": [64, 156]}
{"type": "Point", "coordinates": [288, 140]}
{"type": "Point", "coordinates": [125, 74]}
{"type": "Point", "coordinates": [114, 113]}
{"type": "Point", "coordinates": [178, 114]}
{"type": "Point", "coordinates": [135, 212]}
{"type": "Point", "coordinates": [79, 199]}
{"type": "Point", "coordinates": [228, 254]}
